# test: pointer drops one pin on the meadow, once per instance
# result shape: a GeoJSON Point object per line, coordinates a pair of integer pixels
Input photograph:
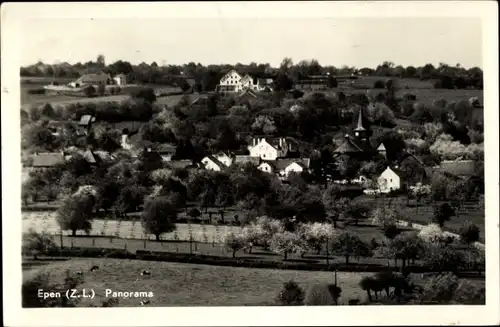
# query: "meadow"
{"type": "Point", "coordinates": [175, 284]}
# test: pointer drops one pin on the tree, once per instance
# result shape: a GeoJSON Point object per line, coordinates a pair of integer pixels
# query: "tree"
{"type": "Point", "coordinates": [37, 243]}
{"type": "Point", "coordinates": [89, 91]}
{"type": "Point", "coordinates": [264, 124]}
{"type": "Point", "coordinates": [348, 244]}
{"type": "Point", "coordinates": [316, 235]}
{"type": "Point", "coordinates": [101, 61]}
{"type": "Point", "coordinates": [443, 213]}
{"type": "Point", "coordinates": [420, 191]}
{"type": "Point", "coordinates": [283, 83]}
{"type": "Point", "coordinates": [357, 211]}
{"type": "Point", "coordinates": [287, 242]}
{"type": "Point", "coordinates": [322, 294]}
{"type": "Point", "coordinates": [101, 89]}
{"type": "Point", "coordinates": [291, 294]}
{"type": "Point", "coordinates": [332, 82]}
{"type": "Point", "coordinates": [159, 216]}
{"type": "Point", "coordinates": [235, 242]}
{"type": "Point", "coordinates": [378, 84]}
{"type": "Point", "coordinates": [384, 216]}
{"type": "Point", "coordinates": [407, 246]}
{"type": "Point", "coordinates": [469, 233]}
{"type": "Point", "coordinates": [431, 233]}
{"type": "Point", "coordinates": [75, 213]}
{"type": "Point", "coordinates": [194, 213]}
{"type": "Point", "coordinates": [391, 231]}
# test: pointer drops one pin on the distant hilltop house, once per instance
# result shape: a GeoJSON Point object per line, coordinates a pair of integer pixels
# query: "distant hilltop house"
{"type": "Point", "coordinates": [92, 79]}
{"type": "Point", "coordinates": [233, 82]}
{"type": "Point", "coordinates": [120, 79]}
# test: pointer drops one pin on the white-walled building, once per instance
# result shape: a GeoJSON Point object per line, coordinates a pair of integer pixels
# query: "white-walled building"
{"type": "Point", "coordinates": [231, 82]}
{"type": "Point", "coordinates": [269, 149]}
{"type": "Point", "coordinates": [234, 82]}
{"type": "Point", "coordinates": [389, 181]}
{"type": "Point", "coordinates": [211, 163]}
{"type": "Point", "coordinates": [120, 79]}
{"type": "Point", "coordinates": [284, 167]}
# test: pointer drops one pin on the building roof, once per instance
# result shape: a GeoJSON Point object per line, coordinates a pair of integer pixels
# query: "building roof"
{"type": "Point", "coordinates": [350, 145]}
{"type": "Point", "coordinates": [89, 78]}
{"type": "Point", "coordinates": [359, 126]}
{"type": "Point", "coordinates": [381, 147]}
{"type": "Point", "coordinates": [215, 161]}
{"type": "Point", "coordinates": [247, 92]}
{"type": "Point", "coordinates": [458, 167]}
{"type": "Point", "coordinates": [85, 120]}
{"type": "Point", "coordinates": [48, 159]}
{"type": "Point", "coordinates": [244, 159]}
{"type": "Point", "coordinates": [164, 148]}
{"type": "Point", "coordinates": [179, 164]}
{"type": "Point", "coordinates": [281, 164]}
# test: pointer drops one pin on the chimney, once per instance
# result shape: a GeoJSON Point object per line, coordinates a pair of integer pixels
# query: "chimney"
{"type": "Point", "coordinates": [281, 142]}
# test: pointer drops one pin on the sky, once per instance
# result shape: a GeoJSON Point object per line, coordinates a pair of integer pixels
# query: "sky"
{"type": "Point", "coordinates": [359, 42]}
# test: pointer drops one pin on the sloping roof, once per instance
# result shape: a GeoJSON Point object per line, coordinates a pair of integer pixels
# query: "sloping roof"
{"type": "Point", "coordinates": [381, 147]}
{"type": "Point", "coordinates": [281, 164]}
{"type": "Point", "coordinates": [359, 126]}
{"type": "Point", "coordinates": [242, 159]}
{"type": "Point", "coordinates": [49, 159]}
{"type": "Point", "coordinates": [86, 120]}
{"type": "Point", "coordinates": [176, 164]}
{"type": "Point", "coordinates": [348, 146]}
{"type": "Point", "coordinates": [91, 157]}
{"type": "Point", "coordinates": [104, 155]}
{"type": "Point", "coordinates": [215, 161]}
{"type": "Point", "coordinates": [458, 167]}
{"type": "Point", "coordinates": [89, 78]}
{"type": "Point", "coordinates": [247, 92]}
{"type": "Point", "coordinates": [411, 156]}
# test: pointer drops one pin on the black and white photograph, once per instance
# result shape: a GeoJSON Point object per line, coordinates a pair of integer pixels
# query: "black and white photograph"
{"type": "Point", "coordinates": [233, 156]}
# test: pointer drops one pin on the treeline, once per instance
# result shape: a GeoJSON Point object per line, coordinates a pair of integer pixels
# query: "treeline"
{"type": "Point", "coordinates": [207, 77]}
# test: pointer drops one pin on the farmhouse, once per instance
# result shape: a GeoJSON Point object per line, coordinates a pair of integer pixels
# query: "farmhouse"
{"type": "Point", "coordinates": [97, 157]}
{"type": "Point", "coordinates": [283, 167]}
{"type": "Point", "coordinates": [389, 181]}
{"type": "Point", "coordinates": [92, 79]}
{"type": "Point", "coordinates": [269, 148]}
{"type": "Point", "coordinates": [234, 82]}
{"type": "Point", "coordinates": [212, 163]}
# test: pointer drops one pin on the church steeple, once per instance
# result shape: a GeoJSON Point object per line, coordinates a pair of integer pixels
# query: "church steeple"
{"type": "Point", "coordinates": [360, 132]}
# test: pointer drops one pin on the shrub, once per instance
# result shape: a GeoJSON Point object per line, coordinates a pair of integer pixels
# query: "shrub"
{"type": "Point", "coordinates": [379, 84]}
{"type": "Point", "coordinates": [30, 288]}
{"type": "Point", "coordinates": [448, 289]}
{"type": "Point", "coordinates": [287, 242]}
{"type": "Point", "coordinates": [322, 294]}
{"type": "Point", "coordinates": [431, 233]}
{"type": "Point", "coordinates": [440, 258]}
{"type": "Point", "coordinates": [291, 294]}
{"type": "Point", "coordinates": [469, 233]}
{"type": "Point", "coordinates": [391, 231]}
{"type": "Point", "coordinates": [159, 216]}
{"type": "Point", "coordinates": [37, 243]}
{"type": "Point", "coordinates": [443, 213]}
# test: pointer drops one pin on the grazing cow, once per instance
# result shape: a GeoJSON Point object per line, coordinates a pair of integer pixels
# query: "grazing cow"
{"type": "Point", "coordinates": [145, 273]}
{"type": "Point", "coordinates": [94, 268]}
{"type": "Point", "coordinates": [79, 273]}
{"type": "Point", "coordinates": [145, 302]}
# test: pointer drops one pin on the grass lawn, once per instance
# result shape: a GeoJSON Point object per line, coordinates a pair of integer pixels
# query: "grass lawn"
{"type": "Point", "coordinates": [176, 284]}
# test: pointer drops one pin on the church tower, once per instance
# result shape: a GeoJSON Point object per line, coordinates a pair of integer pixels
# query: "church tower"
{"type": "Point", "coordinates": [361, 133]}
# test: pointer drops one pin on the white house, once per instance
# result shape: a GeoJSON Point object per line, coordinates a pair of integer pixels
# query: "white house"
{"type": "Point", "coordinates": [120, 79]}
{"type": "Point", "coordinates": [125, 143]}
{"type": "Point", "coordinates": [269, 149]}
{"type": "Point", "coordinates": [389, 181]}
{"type": "Point", "coordinates": [382, 150]}
{"type": "Point", "coordinates": [231, 82]}
{"type": "Point", "coordinates": [211, 163]}
{"type": "Point", "coordinates": [224, 158]}
{"type": "Point", "coordinates": [284, 167]}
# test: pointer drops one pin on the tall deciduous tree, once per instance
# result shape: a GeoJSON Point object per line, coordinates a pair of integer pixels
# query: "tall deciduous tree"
{"type": "Point", "coordinates": [75, 213]}
{"type": "Point", "coordinates": [159, 216]}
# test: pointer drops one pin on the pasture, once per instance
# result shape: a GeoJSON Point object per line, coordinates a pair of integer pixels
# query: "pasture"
{"type": "Point", "coordinates": [175, 284]}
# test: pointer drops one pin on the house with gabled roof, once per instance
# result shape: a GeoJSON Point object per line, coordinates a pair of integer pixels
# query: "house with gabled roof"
{"type": "Point", "coordinates": [285, 166]}
{"type": "Point", "coordinates": [93, 79]}
{"type": "Point", "coordinates": [212, 163]}
{"type": "Point", "coordinates": [390, 180]}
{"type": "Point", "coordinates": [270, 148]}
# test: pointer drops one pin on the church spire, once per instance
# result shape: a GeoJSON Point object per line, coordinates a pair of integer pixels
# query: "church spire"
{"type": "Point", "coordinates": [360, 127]}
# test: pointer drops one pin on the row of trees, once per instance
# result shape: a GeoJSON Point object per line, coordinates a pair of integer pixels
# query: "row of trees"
{"type": "Point", "coordinates": [207, 77]}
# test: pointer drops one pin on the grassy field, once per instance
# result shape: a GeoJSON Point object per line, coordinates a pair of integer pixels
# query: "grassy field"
{"type": "Point", "coordinates": [176, 284]}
